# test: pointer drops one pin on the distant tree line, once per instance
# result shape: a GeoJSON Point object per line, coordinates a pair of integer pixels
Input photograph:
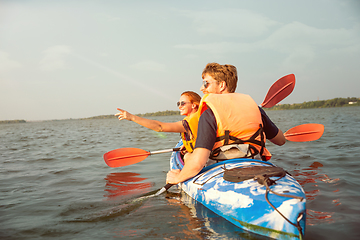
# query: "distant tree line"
{"type": "Point", "coordinates": [100, 117]}
{"type": "Point", "coordinates": [336, 102]}
{"type": "Point", "coordinates": [12, 121]}
{"type": "Point", "coordinates": [160, 113]}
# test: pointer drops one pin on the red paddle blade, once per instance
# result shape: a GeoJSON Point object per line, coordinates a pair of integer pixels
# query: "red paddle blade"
{"type": "Point", "coordinates": [305, 133]}
{"type": "Point", "coordinates": [125, 156]}
{"type": "Point", "coordinates": [279, 90]}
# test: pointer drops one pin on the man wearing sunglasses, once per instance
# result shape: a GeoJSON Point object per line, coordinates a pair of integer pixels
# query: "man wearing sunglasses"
{"type": "Point", "coordinates": [221, 79]}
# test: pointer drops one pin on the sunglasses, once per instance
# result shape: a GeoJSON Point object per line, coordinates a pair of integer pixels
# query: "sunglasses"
{"type": "Point", "coordinates": [206, 83]}
{"type": "Point", "coordinates": [182, 103]}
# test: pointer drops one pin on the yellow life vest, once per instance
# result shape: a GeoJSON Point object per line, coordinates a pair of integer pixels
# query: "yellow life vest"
{"type": "Point", "coordinates": [238, 122]}
{"type": "Point", "coordinates": [190, 124]}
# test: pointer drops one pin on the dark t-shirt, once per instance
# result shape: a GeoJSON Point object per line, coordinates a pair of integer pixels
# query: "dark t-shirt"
{"type": "Point", "coordinates": [207, 128]}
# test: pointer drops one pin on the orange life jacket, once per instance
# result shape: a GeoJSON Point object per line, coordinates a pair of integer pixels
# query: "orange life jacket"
{"type": "Point", "coordinates": [238, 122]}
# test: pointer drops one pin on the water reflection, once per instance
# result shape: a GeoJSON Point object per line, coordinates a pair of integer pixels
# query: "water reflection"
{"type": "Point", "coordinates": [192, 225]}
{"type": "Point", "coordinates": [201, 223]}
{"type": "Point", "coordinates": [309, 178]}
{"type": "Point", "coordinates": [121, 184]}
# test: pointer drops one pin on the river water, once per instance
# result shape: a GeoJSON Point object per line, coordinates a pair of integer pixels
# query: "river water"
{"type": "Point", "coordinates": [54, 183]}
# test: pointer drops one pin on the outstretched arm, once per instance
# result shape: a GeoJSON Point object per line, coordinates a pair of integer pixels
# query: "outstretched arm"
{"type": "Point", "coordinates": [151, 124]}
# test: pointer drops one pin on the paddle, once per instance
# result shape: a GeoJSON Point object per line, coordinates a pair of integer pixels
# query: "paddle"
{"type": "Point", "coordinates": [127, 156]}
{"type": "Point", "coordinates": [305, 132]}
{"type": "Point", "coordinates": [279, 90]}
{"type": "Point", "coordinates": [301, 133]}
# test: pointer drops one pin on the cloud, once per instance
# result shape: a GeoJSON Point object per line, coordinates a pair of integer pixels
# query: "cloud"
{"type": "Point", "coordinates": [149, 66]}
{"type": "Point", "coordinates": [231, 23]}
{"type": "Point", "coordinates": [6, 64]}
{"type": "Point", "coordinates": [299, 58]}
{"type": "Point", "coordinates": [285, 39]}
{"type": "Point", "coordinates": [214, 47]}
{"type": "Point", "coordinates": [302, 43]}
{"type": "Point", "coordinates": [299, 43]}
{"type": "Point", "coordinates": [296, 34]}
{"type": "Point", "coordinates": [54, 58]}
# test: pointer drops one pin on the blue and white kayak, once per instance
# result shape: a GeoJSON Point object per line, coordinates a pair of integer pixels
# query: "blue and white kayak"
{"type": "Point", "coordinates": [276, 210]}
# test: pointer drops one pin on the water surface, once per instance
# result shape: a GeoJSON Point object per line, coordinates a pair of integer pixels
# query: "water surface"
{"type": "Point", "coordinates": [55, 184]}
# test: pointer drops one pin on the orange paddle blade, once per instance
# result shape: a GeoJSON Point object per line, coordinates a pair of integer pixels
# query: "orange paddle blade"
{"type": "Point", "coordinates": [279, 90]}
{"type": "Point", "coordinates": [305, 132]}
{"type": "Point", "coordinates": [125, 156]}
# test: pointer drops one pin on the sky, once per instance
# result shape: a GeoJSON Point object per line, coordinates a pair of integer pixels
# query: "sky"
{"type": "Point", "coordinates": [76, 59]}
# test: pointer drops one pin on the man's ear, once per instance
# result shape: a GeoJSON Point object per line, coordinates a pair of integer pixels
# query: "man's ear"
{"type": "Point", "coordinates": [223, 86]}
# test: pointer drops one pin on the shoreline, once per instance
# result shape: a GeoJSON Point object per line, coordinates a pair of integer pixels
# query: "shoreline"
{"type": "Point", "coordinates": [332, 103]}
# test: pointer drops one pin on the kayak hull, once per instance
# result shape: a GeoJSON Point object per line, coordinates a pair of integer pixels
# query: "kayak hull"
{"type": "Point", "coordinates": [246, 204]}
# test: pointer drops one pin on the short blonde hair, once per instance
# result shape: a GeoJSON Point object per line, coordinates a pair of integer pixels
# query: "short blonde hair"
{"type": "Point", "coordinates": [226, 73]}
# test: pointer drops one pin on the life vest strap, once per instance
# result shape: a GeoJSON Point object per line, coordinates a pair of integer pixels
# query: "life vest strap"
{"type": "Point", "coordinates": [188, 136]}
{"type": "Point", "coordinates": [227, 138]}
